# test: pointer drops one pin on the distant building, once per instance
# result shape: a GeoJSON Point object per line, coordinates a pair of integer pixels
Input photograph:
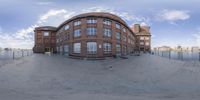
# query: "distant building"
{"type": "Point", "coordinates": [143, 37]}
{"type": "Point", "coordinates": [164, 48]}
{"type": "Point", "coordinates": [195, 49]}
{"type": "Point", "coordinates": [94, 35]}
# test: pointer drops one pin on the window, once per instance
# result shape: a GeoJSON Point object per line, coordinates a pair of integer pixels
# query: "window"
{"type": "Point", "coordinates": [124, 38]}
{"type": "Point", "coordinates": [76, 23]}
{"type": "Point", "coordinates": [124, 30]}
{"type": "Point", "coordinates": [107, 32]}
{"type": "Point", "coordinates": [147, 43]}
{"type": "Point", "coordinates": [77, 47]}
{"type": "Point", "coordinates": [77, 33]}
{"type": "Point", "coordinates": [107, 22]}
{"type": "Point", "coordinates": [66, 36]}
{"type": "Point", "coordinates": [57, 40]}
{"type": "Point", "coordinates": [117, 26]}
{"type": "Point", "coordinates": [147, 38]}
{"type": "Point", "coordinates": [91, 31]}
{"type": "Point", "coordinates": [107, 48]}
{"type": "Point", "coordinates": [46, 33]}
{"type": "Point", "coordinates": [118, 48]}
{"type": "Point", "coordinates": [141, 38]}
{"type": "Point", "coordinates": [129, 40]}
{"type": "Point", "coordinates": [91, 47]}
{"type": "Point", "coordinates": [66, 49]}
{"type": "Point", "coordinates": [118, 36]}
{"type": "Point", "coordinates": [129, 34]}
{"type": "Point", "coordinates": [66, 27]}
{"type": "Point", "coordinates": [141, 43]}
{"type": "Point", "coordinates": [91, 21]}
{"type": "Point", "coordinates": [57, 48]}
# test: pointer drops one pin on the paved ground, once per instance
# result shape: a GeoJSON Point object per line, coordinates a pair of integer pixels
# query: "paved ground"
{"type": "Point", "coordinates": [146, 77]}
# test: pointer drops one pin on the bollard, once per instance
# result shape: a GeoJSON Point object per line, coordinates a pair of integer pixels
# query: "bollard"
{"type": "Point", "coordinates": [179, 55]}
{"type": "Point", "coordinates": [13, 55]}
{"type": "Point", "coordinates": [182, 55]}
{"type": "Point", "coordinates": [162, 53]}
{"type": "Point", "coordinates": [22, 53]}
{"type": "Point", "coordinates": [199, 56]}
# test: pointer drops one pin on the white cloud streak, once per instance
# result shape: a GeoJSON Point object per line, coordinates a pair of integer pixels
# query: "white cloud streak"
{"type": "Point", "coordinates": [44, 3]}
{"type": "Point", "coordinates": [172, 16]}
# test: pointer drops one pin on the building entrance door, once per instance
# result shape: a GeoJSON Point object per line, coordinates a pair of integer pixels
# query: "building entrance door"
{"type": "Point", "coordinates": [47, 49]}
{"type": "Point", "coordinates": [66, 50]}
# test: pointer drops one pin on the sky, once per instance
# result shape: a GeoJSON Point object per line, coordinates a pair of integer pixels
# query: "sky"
{"type": "Point", "coordinates": [172, 22]}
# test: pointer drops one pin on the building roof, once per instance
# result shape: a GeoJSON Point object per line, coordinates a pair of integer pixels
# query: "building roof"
{"type": "Point", "coordinates": [95, 14]}
{"type": "Point", "coordinates": [46, 28]}
{"type": "Point", "coordinates": [85, 15]}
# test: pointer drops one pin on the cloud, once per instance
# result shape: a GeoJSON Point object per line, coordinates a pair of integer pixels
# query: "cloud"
{"type": "Point", "coordinates": [55, 17]}
{"type": "Point", "coordinates": [197, 37]}
{"type": "Point", "coordinates": [24, 38]}
{"type": "Point", "coordinates": [124, 15]}
{"type": "Point", "coordinates": [44, 3]}
{"type": "Point", "coordinates": [172, 15]}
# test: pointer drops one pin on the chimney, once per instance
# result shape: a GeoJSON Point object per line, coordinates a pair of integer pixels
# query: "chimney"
{"type": "Point", "coordinates": [136, 28]}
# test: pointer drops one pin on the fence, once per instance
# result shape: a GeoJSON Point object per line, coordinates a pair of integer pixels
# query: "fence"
{"type": "Point", "coordinates": [14, 54]}
{"type": "Point", "coordinates": [179, 55]}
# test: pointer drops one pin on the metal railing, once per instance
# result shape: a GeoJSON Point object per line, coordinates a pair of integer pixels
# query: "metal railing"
{"type": "Point", "coordinates": [179, 55]}
{"type": "Point", "coordinates": [14, 54]}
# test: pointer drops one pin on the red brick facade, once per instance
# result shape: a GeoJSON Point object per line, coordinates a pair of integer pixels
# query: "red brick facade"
{"type": "Point", "coordinates": [88, 35]}
{"type": "Point", "coordinates": [45, 43]}
{"type": "Point", "coordinates": [143, 37]}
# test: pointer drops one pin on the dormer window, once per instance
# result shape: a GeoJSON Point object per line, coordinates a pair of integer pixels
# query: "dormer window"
{"type": "Point", "coordinates": [46, 33]}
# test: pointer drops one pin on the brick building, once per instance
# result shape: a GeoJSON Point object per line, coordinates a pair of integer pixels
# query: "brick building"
{"type": "Point", "coordinates": [88, 35]}
{"type": "Point", "coordinates": [143, 37]}
{"type": "Point", "coordinates": [45, 39]}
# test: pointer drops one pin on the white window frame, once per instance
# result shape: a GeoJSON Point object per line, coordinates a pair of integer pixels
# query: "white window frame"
{"type": "Point", "coordinates": [76, 23]}
{"type": "Point", "coordinates": [66, 27]}
{"type": "Point", "coordinates": [147, 38]}
{"type": "Point", "coordinates": [147, 43]}
{"type": "Point", "coordinates": [77, 47]}
{"type": "Point", "coordinates": [57, 40]}
{"type": "Point", "coordinates": [141, 38]}
{"type": "Point", "coordinates": [91, 47]}
{"type": "Point", "coordinates": [124, 38]}
{"type": "Point", "coordinates": [91, 31]}
{"type": "Point", "coordinates": [141, 43]}
{"type": "Point", "coordinates": [124, 30]}
{"type": "Point", "coordinates": [118, 36]}
{"type": "Point", "coordinates": [107, 32]}
{"type": "Point", "coordinates": [117, 25]}
{"type": "Point", "coordinates": [91, 21]}
{"type": "Point", "coordinates": [107, 22]}
{"type": "Point", "coordinates": [107, 47]}
{"type": "Point", "coordinates": [118, 48]}
{"type": "Point", "coordinates": [77, 33]}
{"type": "Point", "coordinates": [46, 34]}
